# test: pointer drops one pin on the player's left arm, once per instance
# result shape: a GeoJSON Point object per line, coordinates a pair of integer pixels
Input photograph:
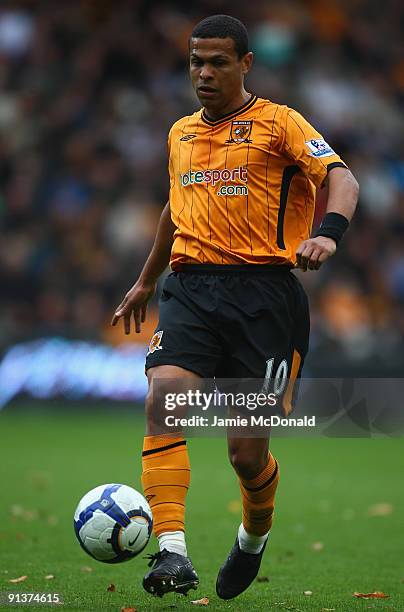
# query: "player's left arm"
{"type": "Point", "coordinates": [343, 191]}
{"type": "Point", "coordinates": [322, 165]}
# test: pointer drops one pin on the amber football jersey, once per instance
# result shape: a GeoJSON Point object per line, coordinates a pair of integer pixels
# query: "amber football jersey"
{"type": "Point", "coordinates": [242, 188]}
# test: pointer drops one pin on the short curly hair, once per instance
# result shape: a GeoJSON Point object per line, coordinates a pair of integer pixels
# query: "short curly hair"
{"type": "Point", "coordinates": [224, 26]}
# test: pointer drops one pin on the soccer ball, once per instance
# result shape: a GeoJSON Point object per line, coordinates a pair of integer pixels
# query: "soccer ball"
{"type": "Point", "coordinates": [113, 523]}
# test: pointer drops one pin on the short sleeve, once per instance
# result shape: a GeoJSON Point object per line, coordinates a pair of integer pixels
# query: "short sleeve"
{"type": "Point", "coordinates": [169, 142]}
{"type": "Point", "coordinates": [308, 149]}
{"type": "Point", "coordinates": [171, 171]}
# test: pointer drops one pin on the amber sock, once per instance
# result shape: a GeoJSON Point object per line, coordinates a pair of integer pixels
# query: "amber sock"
{"type": "Point", "coordinates": [258, 497]}
{"type": "Point", "coordinates": [165, 479]}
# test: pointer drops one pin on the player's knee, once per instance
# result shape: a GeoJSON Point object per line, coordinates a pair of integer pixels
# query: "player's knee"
{"type": "Point", "coordinates": [149, 406]}
{"type": "Point", "coordinates": [160, 403]}
{"type": "Point", "coordinates": [155, 407]}
{"type": "Point", "coordinates": [247, 464]}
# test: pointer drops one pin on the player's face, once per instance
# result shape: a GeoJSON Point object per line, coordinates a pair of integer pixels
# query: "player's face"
{"type": "Point", "coordinates": [217, 73]}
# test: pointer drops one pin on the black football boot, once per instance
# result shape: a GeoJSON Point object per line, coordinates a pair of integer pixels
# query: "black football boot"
{"type": "Point", "coordinates": [171, 573]}
{"type": "Point", "coordinates": [238, 572]}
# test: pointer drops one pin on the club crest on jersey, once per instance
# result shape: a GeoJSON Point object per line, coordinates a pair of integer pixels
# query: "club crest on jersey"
{"type": "Point", "coordinates": [240, 132]}
{"type": "Point", "coordinates": [155, 343]}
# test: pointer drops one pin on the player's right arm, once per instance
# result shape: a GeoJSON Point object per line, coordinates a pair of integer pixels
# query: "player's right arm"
{"type": "Point", "coordinates": [136, 299]}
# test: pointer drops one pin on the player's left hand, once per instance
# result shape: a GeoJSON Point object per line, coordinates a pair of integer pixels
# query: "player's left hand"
{"type": "Point", "coordinates": [313, 252]}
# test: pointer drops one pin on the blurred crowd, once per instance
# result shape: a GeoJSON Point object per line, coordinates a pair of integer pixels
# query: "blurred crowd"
{"type": "Point", "coordinates": [89, 90]}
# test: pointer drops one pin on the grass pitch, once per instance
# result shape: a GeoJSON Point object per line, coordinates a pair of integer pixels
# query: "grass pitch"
{"type": "Point", "coordinates": [338, 526]}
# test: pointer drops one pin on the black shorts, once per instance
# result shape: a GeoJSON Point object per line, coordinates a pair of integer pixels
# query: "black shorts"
{"type": "Point", "coordinates": [232, 322]}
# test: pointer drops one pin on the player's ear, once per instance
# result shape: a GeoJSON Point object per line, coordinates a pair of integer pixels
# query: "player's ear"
{"type": "Point", "coordinates": [246, 62]}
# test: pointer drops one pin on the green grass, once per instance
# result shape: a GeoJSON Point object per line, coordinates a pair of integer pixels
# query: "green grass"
{"type": "Point", "coordinates": [327, 487]}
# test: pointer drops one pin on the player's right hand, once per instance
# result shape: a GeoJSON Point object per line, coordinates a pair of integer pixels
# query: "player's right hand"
{"type": "Point", "coordinates": [135, 301]}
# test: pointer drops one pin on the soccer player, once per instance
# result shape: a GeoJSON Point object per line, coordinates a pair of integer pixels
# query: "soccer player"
{"type": "Point", "coordinates": [243, 177]}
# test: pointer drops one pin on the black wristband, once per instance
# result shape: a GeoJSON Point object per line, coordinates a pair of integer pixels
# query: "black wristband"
{"type": "Point", "coordinates": [333, 226]}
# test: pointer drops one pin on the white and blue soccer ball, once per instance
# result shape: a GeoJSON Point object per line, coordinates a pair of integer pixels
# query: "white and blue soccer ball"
{"type": "Point", "coordinates": [113, 523]}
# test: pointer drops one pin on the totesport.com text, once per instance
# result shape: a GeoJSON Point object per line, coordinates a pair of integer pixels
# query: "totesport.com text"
{"type": "Point", "coordinates": [211, 177]}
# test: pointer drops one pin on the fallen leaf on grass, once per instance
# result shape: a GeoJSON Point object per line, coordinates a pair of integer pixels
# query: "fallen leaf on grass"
{"type": "Point", "coordinates": [327, 609]}
{"type": "Point", "coordinates": [111, 588]}
{"type": "Point", "coordinates": [40, 480]}
{"type": "Point", "coordinates": [49, 577]}
{"type": "Point", "coordinates": [307, 593]}
{"type": "Point", "coordinates": [85, 569]}
{"type": "Point", "coordinates": [262, 579]}
{"type": "Point", "coordinates": [20, 536]}
{"type": "Point", "coordinates": [317, 546]}
{"type": "Point", "coordinates": [234, 506]}
{"type": "Point", "coordinates": [383, 509]}
{"type": "Point", "coordinates": [375, 595]}
{"type": "Point", "coordinates": [128, 609]}
{"type": "Point", "coordinates": [17, 580]}
{"type": "Point", "coordinates": [201, 602]}
{"type": "Point", "coordinates": [16, 510]}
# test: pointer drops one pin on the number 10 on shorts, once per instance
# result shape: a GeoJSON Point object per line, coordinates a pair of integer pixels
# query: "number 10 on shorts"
{"type": "Point", "coordinates": [280, 378]}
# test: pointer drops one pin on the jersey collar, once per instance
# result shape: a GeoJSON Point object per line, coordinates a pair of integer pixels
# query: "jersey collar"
{"type": "Point", "coordinates": [242, 109]}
